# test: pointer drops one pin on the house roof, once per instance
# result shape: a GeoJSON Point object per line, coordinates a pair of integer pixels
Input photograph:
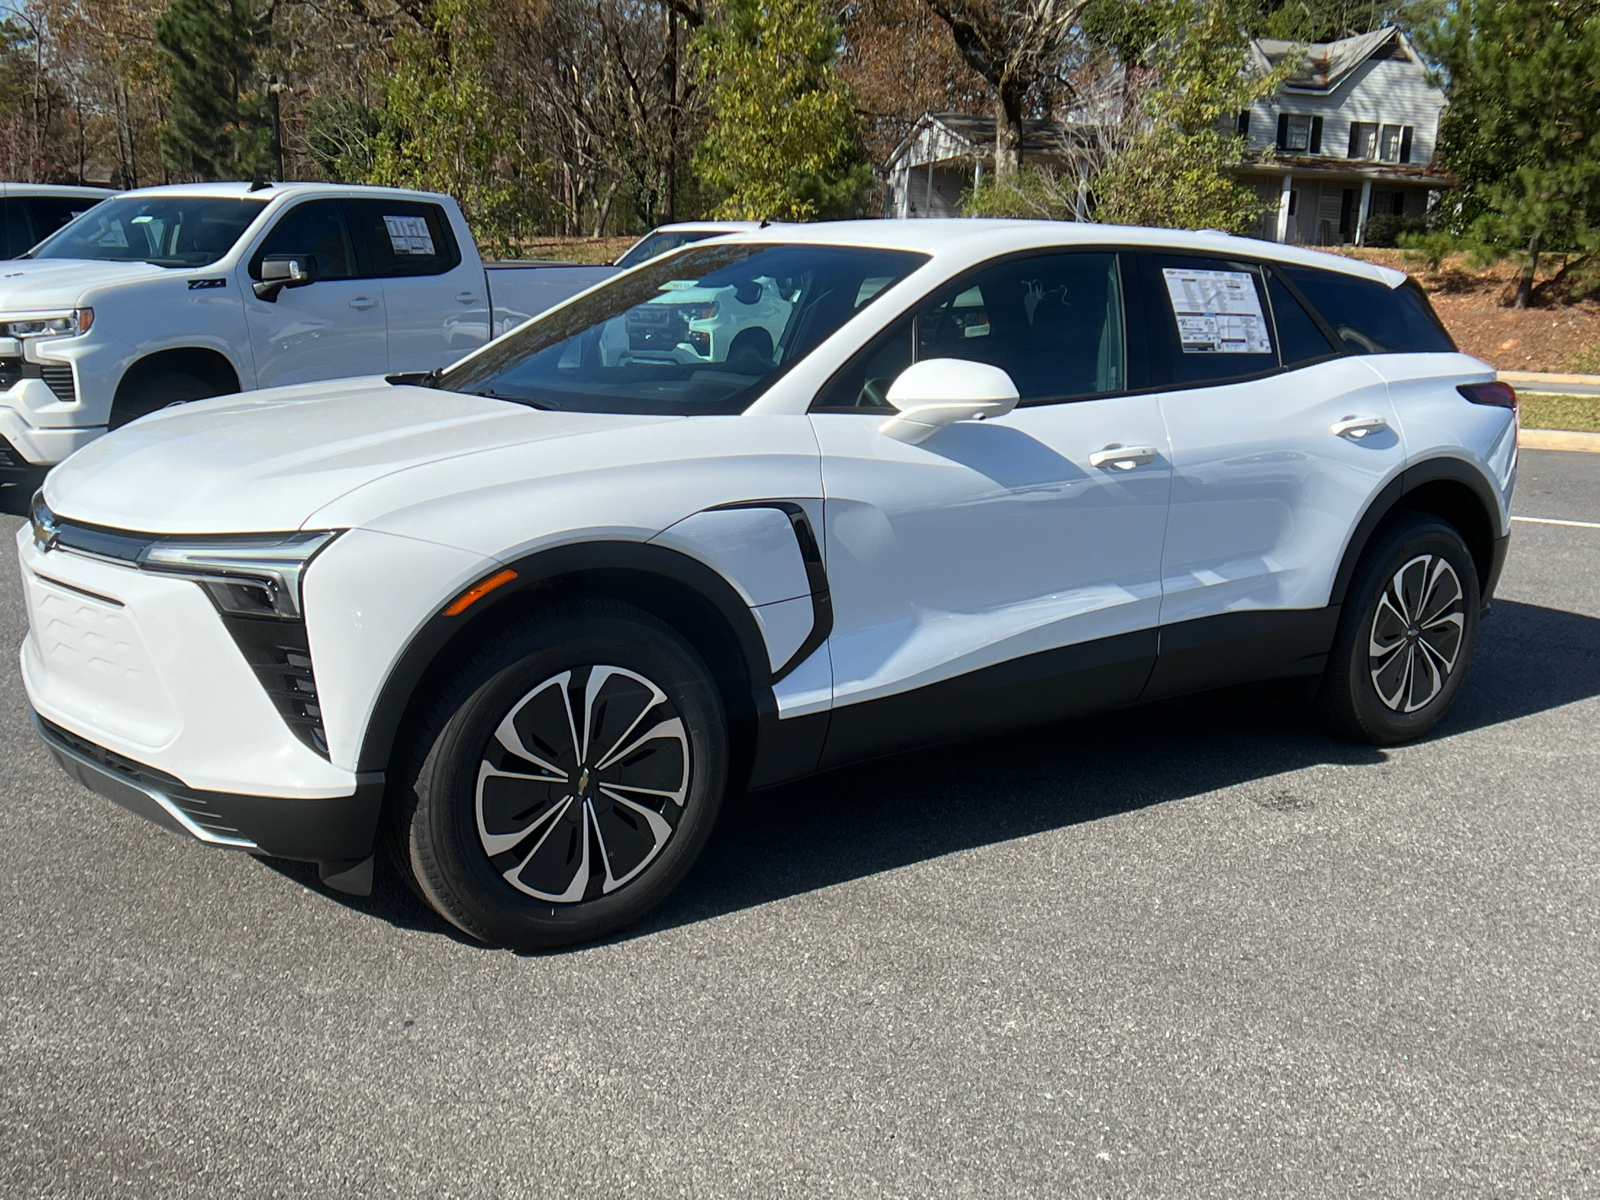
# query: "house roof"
{"type": "Point", "coordinates": [1323, 66]}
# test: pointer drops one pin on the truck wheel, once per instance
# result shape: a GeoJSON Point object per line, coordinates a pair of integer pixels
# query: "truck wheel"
{"type": "Point", "coordinates": [565, 781]}
{"type": "Point", "coordinates": [157, 392]}
{"type": "Point", "coordinates": [1406, 635]}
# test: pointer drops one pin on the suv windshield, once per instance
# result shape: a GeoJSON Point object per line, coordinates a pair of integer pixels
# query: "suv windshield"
{"type": "Point", "coordinates": [170, 231]}
{"type": "Point", "coordinates": [706, 330]}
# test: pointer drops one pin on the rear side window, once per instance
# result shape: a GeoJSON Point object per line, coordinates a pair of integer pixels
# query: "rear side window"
{"type": "Point", "coordinates": [1300, 341]}
{"type": "Point", "coordinates": [1209, 320]}
{"type": "Point", "coordinates": [1371, 317]}
{"type": "Point", "coordinates": [18, 227]}
{"type": "Point", "coordinates": [407, 237]}
{"type": "Point", "coordinates": [50, 213]}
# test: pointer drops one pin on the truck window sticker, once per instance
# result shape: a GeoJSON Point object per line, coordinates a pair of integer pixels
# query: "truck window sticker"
{"type": "Point", "coordinates": [1218, 312]}
{"type": "Point", "coordinates": [409, 235]}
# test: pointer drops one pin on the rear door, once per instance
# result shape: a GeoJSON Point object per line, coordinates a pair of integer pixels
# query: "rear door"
{"type": "Point", "coordinates": [328, 329]}
{"type": "Point", "coordinates": [1279, 440]}
{"type": "Point", "coordinates": [433, 290]}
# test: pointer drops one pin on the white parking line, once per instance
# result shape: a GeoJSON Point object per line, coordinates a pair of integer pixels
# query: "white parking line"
{"type": "Point", "coordinates": [1555, 521]}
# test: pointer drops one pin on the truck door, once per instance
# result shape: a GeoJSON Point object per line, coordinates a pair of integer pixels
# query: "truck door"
{"type": "Point", "coordinates": [328, 329]}
{"type": "Point", "coordinates": [433, 289]}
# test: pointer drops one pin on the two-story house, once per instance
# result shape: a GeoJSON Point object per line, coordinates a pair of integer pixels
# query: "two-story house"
{"type": "Point", "coordinates": [1351, 133]}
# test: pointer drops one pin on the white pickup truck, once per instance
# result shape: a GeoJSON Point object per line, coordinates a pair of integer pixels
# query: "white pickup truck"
{"type": "Point", "coordinates": [178, 293]}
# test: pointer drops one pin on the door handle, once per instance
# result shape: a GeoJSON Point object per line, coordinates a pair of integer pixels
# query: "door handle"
{"type": "Point", "coordinates": [1356, 428]}
{"type": "Point", "coordinates": [1123, 458]}
{"type": "Point", "coordinates": [363, 302]}
{"type": "Point", "coordinates": [465, 298]}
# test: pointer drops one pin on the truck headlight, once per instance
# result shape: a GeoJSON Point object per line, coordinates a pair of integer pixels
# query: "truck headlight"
{"type": "Point", "coordinates": [62, 324]}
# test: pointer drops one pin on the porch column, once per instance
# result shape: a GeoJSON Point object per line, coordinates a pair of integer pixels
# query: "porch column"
{"type": "Point", "coordinates": [1366, 207]}
{"type": "Point", "coordinates": [1283, 208]}
{"type": "Point", "coordinates": [928, 212]}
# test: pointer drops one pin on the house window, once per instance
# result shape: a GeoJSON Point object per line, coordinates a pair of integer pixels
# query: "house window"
{"type": "Point", "coordinates": [1298, 134]}
{"type": "Point", "coordinates": [1386, 143]}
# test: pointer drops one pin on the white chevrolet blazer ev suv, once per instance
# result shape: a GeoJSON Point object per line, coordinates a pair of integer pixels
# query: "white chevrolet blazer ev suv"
{"type": "Point", "coordinates": [524, 622]}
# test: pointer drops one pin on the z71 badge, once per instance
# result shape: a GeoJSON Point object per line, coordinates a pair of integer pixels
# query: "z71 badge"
{"type": "Point", "coordinates": [196, 285]}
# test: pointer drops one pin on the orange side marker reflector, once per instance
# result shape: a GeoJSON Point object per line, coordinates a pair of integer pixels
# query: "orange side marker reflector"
{"type": "Point", "coordinates": [477, 592]}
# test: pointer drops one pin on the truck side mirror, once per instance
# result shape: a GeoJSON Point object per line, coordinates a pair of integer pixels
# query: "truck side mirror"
{"type": "Point", "coordinates": [279, 271]}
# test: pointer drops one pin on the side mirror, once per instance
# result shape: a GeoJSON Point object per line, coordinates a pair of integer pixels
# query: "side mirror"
{"type": "Point", "coordinates": [939, 391]}
{"type": "Point", "coordinates": [279, 271]}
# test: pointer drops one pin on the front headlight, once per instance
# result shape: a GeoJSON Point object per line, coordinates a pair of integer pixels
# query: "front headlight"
{"type": "Point", "coordinates": [247, 576]}
{"type": "Point", "coordinates": [63, 324]}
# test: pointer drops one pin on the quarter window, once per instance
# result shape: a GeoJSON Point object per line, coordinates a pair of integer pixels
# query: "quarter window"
{"type": "Point", "coordinates": [1372, 317]}
{"type": "Point", "coordinates": [1300, 341]}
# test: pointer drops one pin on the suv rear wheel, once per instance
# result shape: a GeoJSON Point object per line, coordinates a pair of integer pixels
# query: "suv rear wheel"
{"type": "Point", "coordinates": [566, 780]}
{"type": "Point", "coordinates": [1406, 636]}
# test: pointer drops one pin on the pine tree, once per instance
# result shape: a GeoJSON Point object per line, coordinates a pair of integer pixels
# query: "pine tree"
{"type": "Point", "coordinates": [1522, 132]}
{"type": "Point", "coordinates": [784, 143]}
{"type": "Point", "coordinates": [220, 124]}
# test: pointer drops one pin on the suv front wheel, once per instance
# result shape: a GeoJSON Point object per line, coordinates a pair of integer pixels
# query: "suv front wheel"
{"type": "Point", "coordinates": [1406, 636]}
{"type": "Point", "coordinates": [566, 780]}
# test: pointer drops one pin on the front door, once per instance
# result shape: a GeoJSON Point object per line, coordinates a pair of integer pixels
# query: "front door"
{"type": "Point", "coordinates": [1001, 571]}
{"type": "Point", "coordinates": [329, 329]}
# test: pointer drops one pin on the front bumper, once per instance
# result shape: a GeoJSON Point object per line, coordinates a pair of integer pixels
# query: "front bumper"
{"type": "Point", "coordinates": [336, 832]}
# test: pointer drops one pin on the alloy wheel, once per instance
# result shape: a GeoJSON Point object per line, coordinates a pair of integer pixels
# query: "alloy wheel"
{"type": "Point", "coordinates": [1416, 633]}
{"type": "Point", "coordinates": [582, 784]}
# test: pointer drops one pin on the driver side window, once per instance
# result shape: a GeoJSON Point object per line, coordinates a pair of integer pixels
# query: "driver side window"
{"type": "Point", "coordinates": [316, 228]}
{"type": "Point", "coordinates": [1053, 322]}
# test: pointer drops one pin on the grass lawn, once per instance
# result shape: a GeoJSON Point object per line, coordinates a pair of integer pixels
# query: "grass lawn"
{"type": "Point", "coordinates": [1561, 412]}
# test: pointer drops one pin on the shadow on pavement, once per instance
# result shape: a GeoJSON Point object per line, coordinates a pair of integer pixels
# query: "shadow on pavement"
{"type": "Point", "coordinates": [863, 820]}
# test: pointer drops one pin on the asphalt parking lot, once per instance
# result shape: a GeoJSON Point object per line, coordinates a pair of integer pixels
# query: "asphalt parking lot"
{"type": "Point", "coordinates": [1196, 949]}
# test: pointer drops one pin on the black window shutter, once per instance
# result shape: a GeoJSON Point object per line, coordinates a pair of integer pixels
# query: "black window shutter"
{"type": "Point", "coordinates": [1405, 143]}
{"type": "Point", "coordinates": [1316, 135]}
{"type": "Point", "coordinates": [1242, 126]}
{"type": "Point", "coordinates": [1355, 138]}
{"type": "Point", "coordinates": [1347, 204]}
{"type": "Point", "coordinates": [1283, 131]}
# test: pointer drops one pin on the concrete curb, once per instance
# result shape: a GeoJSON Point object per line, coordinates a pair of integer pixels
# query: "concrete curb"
{"type": "Point", "coordinates": [1539, 384]}
{"type": "Point", "coordinates": [1558, 439]}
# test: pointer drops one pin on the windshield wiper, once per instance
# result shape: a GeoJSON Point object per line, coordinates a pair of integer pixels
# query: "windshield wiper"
{"type": "Point", "coordinates": [491, 394]}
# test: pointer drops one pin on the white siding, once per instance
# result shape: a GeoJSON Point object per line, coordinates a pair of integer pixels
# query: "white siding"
{"type": "Point", "coordinates": [1384, 91]}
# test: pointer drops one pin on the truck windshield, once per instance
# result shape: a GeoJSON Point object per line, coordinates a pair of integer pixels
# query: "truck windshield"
{"type": "Point", "coordinates": [706, 330]}
{"type": "Point", "coordinates": [654, 245]}
{"type": "Point", "coordinates": [170, 231]}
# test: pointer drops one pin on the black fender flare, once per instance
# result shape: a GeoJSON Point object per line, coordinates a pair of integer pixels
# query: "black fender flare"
{"type": "Point", "coordinates": [1443, 467]}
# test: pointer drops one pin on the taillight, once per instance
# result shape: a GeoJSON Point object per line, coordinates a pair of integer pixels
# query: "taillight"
{"type": "Point", "coordinates": [1501, 395]}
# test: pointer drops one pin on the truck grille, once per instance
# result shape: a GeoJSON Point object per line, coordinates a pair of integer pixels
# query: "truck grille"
{"type": "Point", "coordinates": [10, 372]}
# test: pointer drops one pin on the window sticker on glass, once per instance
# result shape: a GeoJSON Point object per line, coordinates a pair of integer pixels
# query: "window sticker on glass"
{"type": "Point", "coordinates": [1218, 312]}
{"type": "Point", "coordinates": [409, 235]}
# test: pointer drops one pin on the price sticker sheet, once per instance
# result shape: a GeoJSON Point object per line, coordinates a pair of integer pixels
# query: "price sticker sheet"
{"type": "Point", "coordinates": [409, 235]}
{"type": "Point", "coordinates": [1218, 312]}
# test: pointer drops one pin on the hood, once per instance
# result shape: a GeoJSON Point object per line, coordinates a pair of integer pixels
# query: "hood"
{"type": "Point", "coordinates": [33, 285]}
{"type": "Point", "coordinates": [265, 461]}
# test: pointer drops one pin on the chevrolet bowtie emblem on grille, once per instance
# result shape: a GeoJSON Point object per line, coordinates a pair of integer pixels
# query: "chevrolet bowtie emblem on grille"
{"type": "Point", "coordinates": [45, 534]}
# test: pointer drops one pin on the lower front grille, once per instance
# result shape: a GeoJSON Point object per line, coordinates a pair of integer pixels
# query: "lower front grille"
{"type": "Point", "coordinates": [10, 457]}
{"type": "Point", "coordinates": [279, 652]}
{"type": "Point", "coordinates": [10, 372]}
{"type": "Point", "coordinates": [58, 378]}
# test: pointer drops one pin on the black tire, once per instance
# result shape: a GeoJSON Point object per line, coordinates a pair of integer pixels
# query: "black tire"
{"type": "Point", "coordinates": [523, 859]}
{"type": "Point", "coordinates": [157, 392]}
{"type": "Point", "coordinates": [1406, 635]}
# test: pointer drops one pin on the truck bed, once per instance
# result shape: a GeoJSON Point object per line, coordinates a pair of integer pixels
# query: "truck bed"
{"type": "Point", "coordinates": [520, 289]}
